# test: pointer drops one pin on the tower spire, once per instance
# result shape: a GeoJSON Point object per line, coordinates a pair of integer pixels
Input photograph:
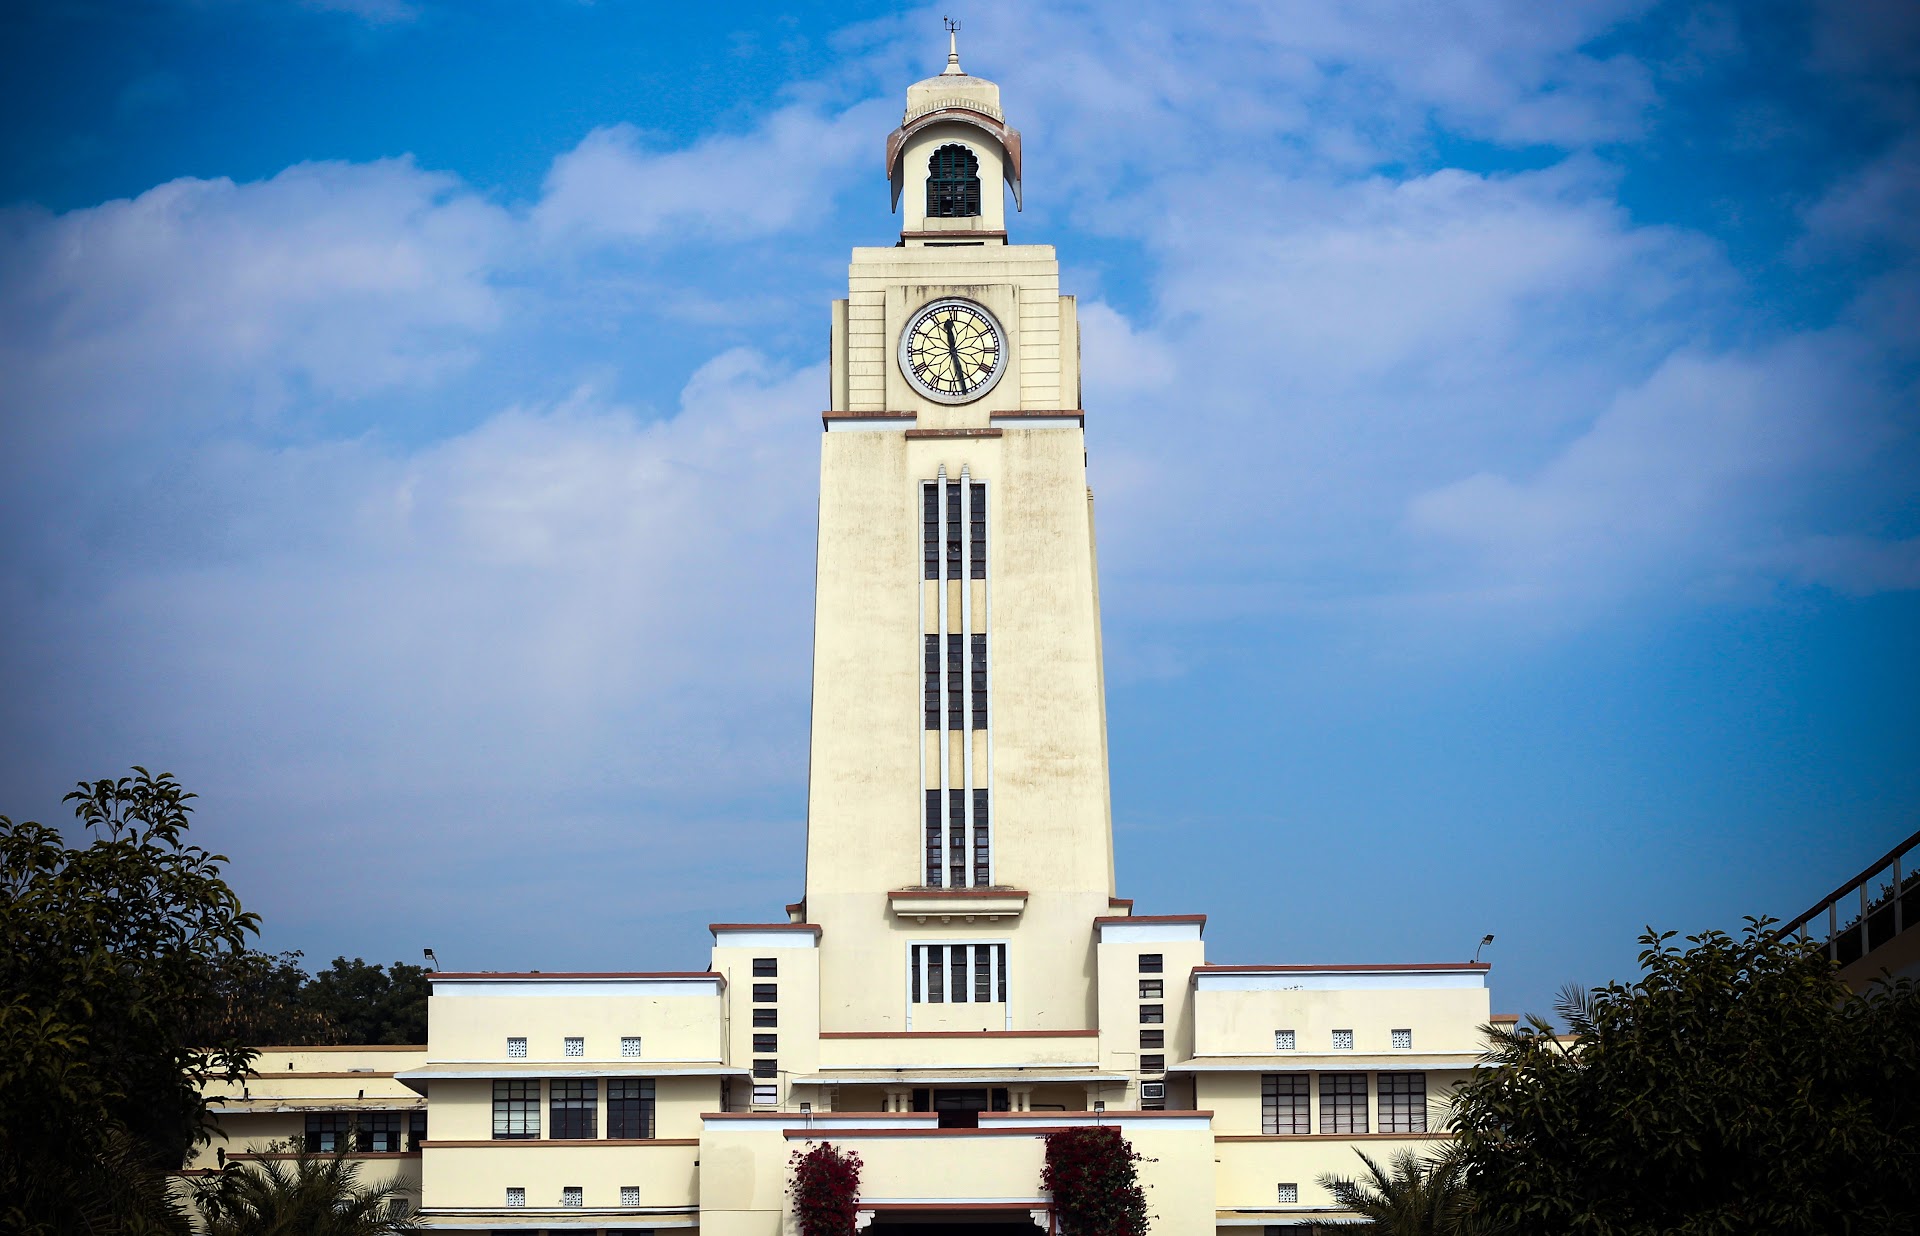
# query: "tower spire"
{"type": "Point", "coordinates": [953, 68]}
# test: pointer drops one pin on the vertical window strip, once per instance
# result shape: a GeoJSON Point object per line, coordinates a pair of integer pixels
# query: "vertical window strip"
{"type": "Point", "coordinates": [956, 838]}
{"type": "Point", "coordinates": [978, 668]}
{"type": "Point", "coordinates": [982, 842]}
{"type": "Point", "coordinates": [931, 690]}
{"type": "Point", "coordinates": [936, 974]}
{"type": "Point", "coordinates": [956, 683]}
{"type": "Point", "coordinates": [1000, 969]}
{"type": "Point", "coordinates": [930, 531]}
{"type": "Point", "coordinates": [977, 531]}
{"type": "Point", "coordinates": [934, 872]}
{"type": "Point", "coordinates": [953, 530]}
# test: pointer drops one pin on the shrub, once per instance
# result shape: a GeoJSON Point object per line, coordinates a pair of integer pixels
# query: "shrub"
{"type": "Point", "coordinates": [1095, 1186]}
{"type": "Point", "coordinates": [825, 1190]}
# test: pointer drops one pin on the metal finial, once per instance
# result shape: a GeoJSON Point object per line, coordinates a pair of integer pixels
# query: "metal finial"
{"type": "Point", "coordinates": [953, 68]}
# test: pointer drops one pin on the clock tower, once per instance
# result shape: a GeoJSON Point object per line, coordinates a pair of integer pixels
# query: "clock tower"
{"type": "Point", "coordinates": [959, 842]}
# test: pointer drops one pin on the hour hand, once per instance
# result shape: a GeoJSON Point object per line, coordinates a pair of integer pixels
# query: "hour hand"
{"type": "Point", "coordinates": [953, 350]}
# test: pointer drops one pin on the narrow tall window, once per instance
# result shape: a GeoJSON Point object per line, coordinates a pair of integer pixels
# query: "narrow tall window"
{"type": "Point", "coordinates": [1283, 1103]}
{"type": "Point", "coordinates": [953, 183]}
{"type": "Point", "coordinates": [977, 524]}
{"type": "Point", "coordinates": [630, 1108]}
{"type": "Point", "coordinates": [934, 873]}
{"type": "Point", "coordinates": [572, 1104]}
{"type": "Point", "coordinates": [959, 973]}
{"type": "Point", "coordinates": [516, 1109]}
{"type": "Point", "coordinates": [982, 842]}
{"type": "Point", "coordinates": [978, 668]}
{"type": "Point", "coordinates": [931, 689]}
{"type": "Point", "coordinates": [1403, 1102]}
{"type": "Point", "coordinates": [930, 531]}
{"type": "Point", "coordinates": [956, 838]}
{"type": "Point", "coordinates": [416, 1129]}
{"type": "Point", "coordinates": [955, 530]}
{"type": "Point", "coordinates": [1343, 1102]}
{"type": "Point", "coordinates": [956, 682]}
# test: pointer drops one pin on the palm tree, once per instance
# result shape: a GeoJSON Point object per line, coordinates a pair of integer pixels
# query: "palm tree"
{"type": "Point", "coordinates": [307, 1195]}
{"type": "Point", "coordinates": [1413, 1196]}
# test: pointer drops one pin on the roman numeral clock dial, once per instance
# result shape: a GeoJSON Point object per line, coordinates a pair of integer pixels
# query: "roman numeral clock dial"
{"type": "Point", "coordinates": [953, 351]}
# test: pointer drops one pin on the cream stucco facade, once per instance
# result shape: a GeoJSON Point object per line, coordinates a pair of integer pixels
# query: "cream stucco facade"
{"type": "Point", "coordinates": [960, 975]}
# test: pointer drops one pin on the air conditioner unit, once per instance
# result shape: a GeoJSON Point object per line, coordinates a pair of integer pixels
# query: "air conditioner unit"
{"type": "Point", "coordinates": [1150, 1091]}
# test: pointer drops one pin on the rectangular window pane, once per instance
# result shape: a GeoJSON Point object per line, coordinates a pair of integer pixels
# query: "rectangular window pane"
{"type": "Point", "coordinates": [1151, 963]}
{"type": "Point", "coordinates": [982, 842]}
{"type": "Point", "coordinates": [1000, 954]}
{"type": "Point", "coordinates": [766, 967]}
{"type": "Point", "coordinates": [766, 1068]}
{"type": "Point", "coordinates": [978, 668]}
{"type": "Point", "coordinates": [571, 1105]}
{"type": "Point", "coordinates": [1152, 1013]}
{"type": "Point", "coordinates": [1152, 989]}
{"type": "Point", "coordinates": [977, 551]}
{"type": "Point", "coordinates": [930, 530]}
{"type": "Point", "coordinates": [930, 688]}
{"type": "Point", "coordinates": [765, 1096]}
{"type": "Point", "coordinates": [935, 871]}
{"type": "Point", "coordinates": [766, 993]}
{"type": "Point", "coordinates": [936, 974]}
{"type": "Point", "coordinates": [1153, 1038]}
{"type": "Point", "coordinates": [327, 1131]}
{"type": "Point", "coordinates": [1403, 1102]}
{"type": "Point", "coordinates": [1343, 1102]}
{"type": "Point", "coordinates": [957, 989]}
{"type": "Point", "coordinates": [766, 1017]}
{"type": "Point", "coordinates": [416, 1129]}
{"type": "Point", "coordinates": [956, 838]}
{"type": "Point", "coordinates": [766, 1042]}
{"type": "Point", "coordinates": [983, 973]}
{"type": "Point", "coordinates": [1283, 1103]}
{"type": "Point", "coordinates": [954, 530]}
{"type": "Point", "coordinates": [516, 1109]}
{"type": "Point", "coordinates": [630, 1107]}
{"type": "Point", "coordinates": [956, 681]}
{"type": "Point", "coordinates": [1153, 1064]}
{"type": "Point", "coordinates": [378, 1132]}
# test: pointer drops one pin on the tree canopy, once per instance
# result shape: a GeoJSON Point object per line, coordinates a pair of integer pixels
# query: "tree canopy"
{"type": "Point", "coordinates": [268, 999]}
{"type": "Point", "coordinates": [1736, 1087]}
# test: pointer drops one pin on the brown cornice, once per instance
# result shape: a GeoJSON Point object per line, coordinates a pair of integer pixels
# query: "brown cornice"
{"type": "Point", "coordinates": [953, 433]}
{"type": "Point", "coordinates": [1019, 412]}
{"type": "Point", "coordinates": [242, 1155]}
{"type": "Point", "coordinates": [867, 416]}
{"type": "Point", "coordinates": [959, 1034]}
{"type": "Point", "coordinates": [1156, 918]}
{"type": "Point", "coordinates": [1325, 1137]}
{"type": "Point", "coordinates": [345, 1047]}
{"type": "Point", "coordinates": [574, 974]}
{"type": "Point", "coordinates": [958, 892]}
{"type": "Point", "coordinates": [949, 235]}
{"type": "Point", "coordinates": [719, 927]}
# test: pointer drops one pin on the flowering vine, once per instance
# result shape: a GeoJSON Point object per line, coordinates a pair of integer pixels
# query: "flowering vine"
{"type": "Point", "coordinates": [1095, 1185]}
{"type": "Point", "coordinates": [825, 1189]}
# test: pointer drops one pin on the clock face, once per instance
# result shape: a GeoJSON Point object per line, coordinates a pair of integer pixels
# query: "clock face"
{"type": "Point", "coordinates": [953, 351]}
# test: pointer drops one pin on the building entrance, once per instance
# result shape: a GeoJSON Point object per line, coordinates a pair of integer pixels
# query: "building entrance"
{"type": "Point", "coordinates": [956, 1225]}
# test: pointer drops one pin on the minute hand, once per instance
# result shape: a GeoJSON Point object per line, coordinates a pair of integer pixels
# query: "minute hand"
{"type": "Point", "coordinates": [953, 350]}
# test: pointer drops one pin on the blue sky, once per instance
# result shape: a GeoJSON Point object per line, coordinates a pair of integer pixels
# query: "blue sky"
{"type": "Point", "coordinates": [1503, 419]}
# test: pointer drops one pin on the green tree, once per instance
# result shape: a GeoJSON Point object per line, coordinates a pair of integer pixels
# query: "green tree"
{"type": "Point", "coordinates": [370, 1004]}
{"type": "Point", "coordinates": [305, 1195]}
{"type": "Point", "coordinates": [262, 999]}
{"type": "Point", "coordinates": [1737, 1087]}
{"type": "Point", "coordinates": [1413, 1196]}
{"type": "Point", "coordinates": [107, 954]}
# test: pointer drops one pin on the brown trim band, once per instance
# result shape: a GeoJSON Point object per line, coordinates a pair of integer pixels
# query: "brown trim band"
{"type": "Point", "coordinates": [242, 1155]}
{"type": "Point", "coordinates": [941, 893]}
{"type": "Point", "coordinates": [717, 927]}
{"type": "Point", "coordinates": [959, 1034]}
{"type": "Point", "coordinates": [252, 1076]}
{"type": "Point", "coordinates": [1015, 413]}
{"type": "Point", "coordinates": [1153, 918]}
{"type": "Point", "coordinates": [1381, 968]}
{"type": "Point", "coordinates": [1328, 1137]}
{"type": "Point", "coordinates": [574, 974]}
{"type": "Point", "coordinates": [340, 1047]}
{"type": "Point", "coordinates": [944, 234]}
{"type": "Point", "coordinates": [953, 433]}
{"type": "Point", "coordinates": [561, 1141]}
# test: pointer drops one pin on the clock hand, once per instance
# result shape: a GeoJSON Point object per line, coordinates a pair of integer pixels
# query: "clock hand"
{"type": "Point", "coordinates": [953, 350]}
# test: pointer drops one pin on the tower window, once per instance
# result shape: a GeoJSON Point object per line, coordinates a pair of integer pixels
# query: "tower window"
{"type": "Point", "coordinates": [977, 551]}
{"type": "Point", "coordinates": [766, 967]}
{"type": "Point", "coordinates": [935, 875]}
{"type": "Point", "coordinates": [1152, 963]}
{"type": "Point", "coordinates": [982, 842]}
{"type": "Point", "coordinates": [956, 838]}
{"type": "Point", "coordinates": [979, 670]}
{"type": "Point", "coordinates": [953, 183]}
{"type": "Point", "coordinates": [932, 689]}
{"type": "Point", "coordinates": [930, 530]}
{"type": "Point", "coordinates": [959, 973]}
{"type": "Point", "coordinates": [956, 667]}
{"type": "Point", "coordinates": [954, 530]}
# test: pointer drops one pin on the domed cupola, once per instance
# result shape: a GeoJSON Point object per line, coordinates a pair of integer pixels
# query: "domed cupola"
{"type": "Point", "coordinates": [951, 156]}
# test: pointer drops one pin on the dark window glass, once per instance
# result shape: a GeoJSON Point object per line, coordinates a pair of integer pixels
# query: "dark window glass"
{"type": "Point", "coordinates": [416, 1129]}
{"type": "Point", "coordinates": [1283, 1103]}
{"type": "Point", "coordinates": [955, 530]}
{"type": "Point", "coordinates": [947, 977]}
{"type": "Point", "coordinates": [937, 974]}
{"type": "Point", "coordinates": [1000, 952]}
{"type": "Point", "coordinates": [571, 1104]}
{"type": "Point", "coordinates": [630, 1107]}
{"type": "Point", "coordinates": [953, 183]}
{"type": "Point", "coordinates": [956, 838]}
{"type": "Point", "coordinates": [1153, 1064]}
{"type": "Point", "coordinates": [516, 1109]}
{"type": "Point", "coordinates": [956, 682]}
{"type": "Point", "coordinates": [1343, 1102]}
{"type": "Point", "coordinates": [930, 530]}
{"type": "Point", "coordinates": [766, 967]}
{"type": "Point", "coordinates": [935, 875]}
{"type": "Point", "coordinates": [378, 1132]}
{"type": "Point", "coordinates": [982, 842]}
{"type": "Point", "coordinates": [931, 692]}
{"type": "Point", "coordinates": [766, 1068]}
{"type": "Point", "coordinates": [1151, 1014]}
{"type": "Point", "coordinates": [766, 1042]}
{"type": "Point", "coordinates": [327, 1131]}
{"type": "Point", "coordinates": [1152, 989]}
{"type": "Point", "coordinates": [983, 973]}
{"type": "Point", "coordinates": [1153, 1038]}
{"type": "Point", "coordinates": [1403, 1102]}
{"type": "Point", "coordinates": [1151, 963]}
{"type": "Point", "coordinates": [977, 551]}
{"type": "Point", "coordinates": [766, 1017]}
{"type": "Point", "coordinates": [766, 993]}
{"type": "Point", "coordinates": [979, 672]}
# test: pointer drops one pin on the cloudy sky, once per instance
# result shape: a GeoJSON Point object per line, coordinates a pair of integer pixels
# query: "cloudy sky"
{"type": "Point", "coordinates": [1503, 418]}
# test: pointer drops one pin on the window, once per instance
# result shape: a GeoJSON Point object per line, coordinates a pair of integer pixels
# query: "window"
{"type": "Point", "coordinates": [766, 1068]}
{"type": "Point", "coordinates": [629, 1047]}
{"type": "Point", "coordinates": [327, 1131]}
{"type": "Point", "coordinates": [1403, 1102]}
{"type": "Point", "coordinates": [1283, 1040]}
{"type": "Point", "coordinates": [1153, 1013]}
{"type": "Point", "coordinates": [1152, 989]}
{"type": "Point", "coordinates": [1343, 1040]}
{"type": "Point", "coordinates": [978, 668]}
{"type": "Point", "coordinates": [956, 838]}
{"type": "Point", "coordinates": [931, 686]}
{"type": "Point", "coordinates": [1153, 1038]}
{"type": "Point", "coordinates": [766, 1096]}
{"type": "Point", "coordinates": [416, 1128]}
{"type": "Point", "coordinates": [956, 681]}
{"type": "Point", "coordinates": [1283, 1103]}
{"type": "Point", "coordinates": [1153, 1064]}
{"type": "Point", "coordinates": [953, 183]}
{"type": "Point", "coordinates": [516, 1049]}
{"type": "Point", "coordinates": [930, 534]}
{"type": "Point", "coordinates": [1343, 1102]}
{"type": "Point", "coordinates": [1402, 1040]}
{"type": "Point", "coordinates": [766, 1017]}
{"type": "Point", "coordinates": [629, 1195]}
{"type": "Point", "coordinates": [959, 973]}
{"type": "Point", "coordinates": [630, 1108]}
{"type": "Point", "coordinates": [766, 967]}
{"type": "Point", "coordinates": [1288, 1195]}
{"type": "Point", "coordinates": [378, 1132]}
{"type": "Point", "coordinates": [935, 874]}
{"type": "Point", "coordinates": [982, 843]}
{"type": "Point", "coordinates": [766, 993]}
{"type": "Point", "coordinates": [516, 1109]}
{"type": "Point", "coordinates": [1152, 963]}
{"type": "Point", "coordinates": [571, 1103]}
{"type": "Point", "coordinates": [766, 1042]}
{"type": "Point", "coordinates": [516, 1198]}
{"type": "Point", "coordinates": [977, 551]}
{"type": "Point", "coordinates": [397, 1207]}
{"type": "Point", "coordinates": [575, 1047]}
{"type": "Point", "coordinates": [572, 1196]}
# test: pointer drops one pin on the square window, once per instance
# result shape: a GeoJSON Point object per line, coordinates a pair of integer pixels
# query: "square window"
{"type": "Point", "coordinates": [629, 1195]}
{"type": "Point", "coordinates": [1403, 1040]}
{"type": "Point", "coordinates": [766, 967]}
{"type": "Point", "coordinates": [1283, 1104]}
{"type": "Point", "coordinates": [630, 1107]}
{"type": "Point", "coordinates": [1289, 1195]}
{"type": "Point", "coordinates": [766, 1096]}
{"type": "Point", "coordinates": [1153, 1064]}
{"type": "Point", "coordinates": [766, 1068]}
{"type": "Point", "coordinates": [1152, 989]}
{"type": "Point", "coordinates": [766, 1017]}
{"type": "Point", "coordinates": [572, 1196]}
{"type": "Point", "coordinates": [516, 1048]}
{"type": "Point", "coordinates": [766, 1042]}
{"type": "Point", "coordinates": [576, 1047]}
{"type": "Point", "coordinates": [630, 1047]}
{"type": "Point", "coordinates": [766, 993]}
{"type": "Point", "coordinates": [1343, 1040]}
{"type": "Point", "coordinates": [1153, 1014]}
{"type": "Point", "coordinates": [1153, 1038]}
{"type": "Point", "coordinates": [516, 1198]}
{"type": "Point", "coordinates": [1152, 963]}
{"type": "Point", "coordinates": [1283, 1040]}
